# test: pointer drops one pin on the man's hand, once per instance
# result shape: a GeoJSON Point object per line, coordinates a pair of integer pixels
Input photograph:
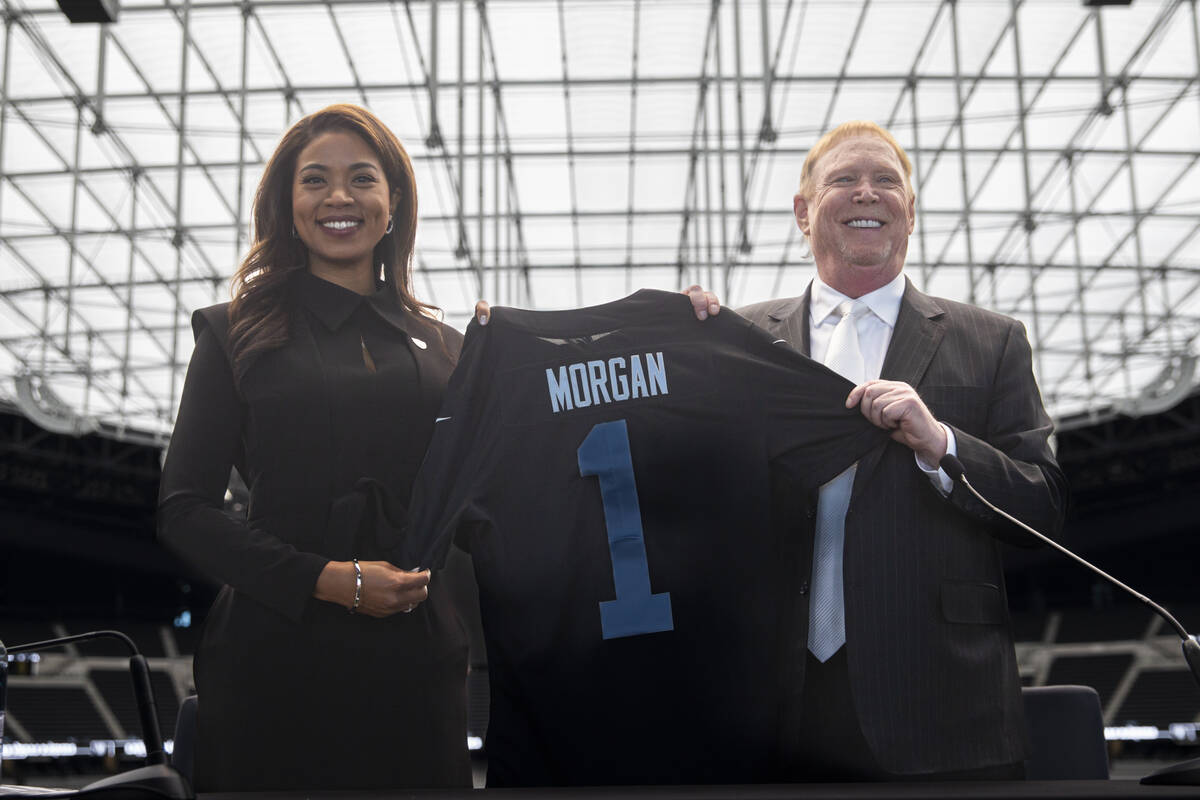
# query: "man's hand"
{"type": "Point", "coordinates": [896, 407]}
{"type": "Point", "coordinates": [703, 303]}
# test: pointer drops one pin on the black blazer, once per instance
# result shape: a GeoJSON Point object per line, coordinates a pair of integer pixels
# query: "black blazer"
{"type": "Point", "coordinates": [928, 637]}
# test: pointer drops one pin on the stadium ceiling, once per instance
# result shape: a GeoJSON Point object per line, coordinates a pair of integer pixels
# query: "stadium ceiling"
{"type": "Point", "coordinates": [571, 151]}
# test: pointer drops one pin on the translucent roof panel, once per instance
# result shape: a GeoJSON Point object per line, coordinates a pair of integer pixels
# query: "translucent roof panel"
{"type": "Point", "coordinates": [569, 152]}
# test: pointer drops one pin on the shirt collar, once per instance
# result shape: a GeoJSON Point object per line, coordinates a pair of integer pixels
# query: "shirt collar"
{"type": "Point", "coordinates": [333, 304]}
{"type": "Point", "coordinates": [884, 302]}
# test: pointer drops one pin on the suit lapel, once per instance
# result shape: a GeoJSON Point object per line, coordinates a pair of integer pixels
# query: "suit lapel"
{"type": "Point", "coordinates": [919, 330]}
{"type": "Point", "coordinates": [790, 321]}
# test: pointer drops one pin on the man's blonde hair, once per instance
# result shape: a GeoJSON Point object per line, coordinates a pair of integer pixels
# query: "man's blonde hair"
{"type": "Point", "coordinates": [848, 130]}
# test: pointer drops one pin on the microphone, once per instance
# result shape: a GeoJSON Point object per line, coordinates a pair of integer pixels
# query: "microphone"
{"type": "Point", "coordinates": [157, 777]}
{"type": "Point", "coordinates": [1187, 773]}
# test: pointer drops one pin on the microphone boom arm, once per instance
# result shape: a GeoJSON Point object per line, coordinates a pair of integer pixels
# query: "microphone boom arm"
{"type": "Point", "coordinates": [139, 674]}
{"type": "Point", "coordinates": [1191, 648]}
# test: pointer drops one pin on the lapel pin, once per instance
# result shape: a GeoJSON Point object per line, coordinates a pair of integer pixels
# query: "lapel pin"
{"type": "Point", "coordinates": [419, 342]}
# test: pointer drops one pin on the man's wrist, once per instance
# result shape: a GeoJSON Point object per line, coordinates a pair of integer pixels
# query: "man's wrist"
{"type": "Point", "coordinates": [929, 460]}
{"type": "Point", "coordinates": [936, 474]}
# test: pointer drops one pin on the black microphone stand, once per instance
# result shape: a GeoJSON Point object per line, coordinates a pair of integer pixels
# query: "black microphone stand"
{"type": "Point", "coordinates": [1186, 773]}
{"type": "Point", "coordinates": [157, 777]}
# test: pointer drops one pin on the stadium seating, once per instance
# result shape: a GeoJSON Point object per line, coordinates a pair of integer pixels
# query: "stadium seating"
{"type": "Point", "coordinates": [1101, 672]}
{"type": "Point", "coordinates": [55, 714]}
{"type": "Point", "coordinates": [1112, 624]}
{"type": "Point", "coordinates": [1159, 698]}
{"type": "Point", "coordinates": [85, 696]}
{"type": "Point", "coordinates": [115, 686]}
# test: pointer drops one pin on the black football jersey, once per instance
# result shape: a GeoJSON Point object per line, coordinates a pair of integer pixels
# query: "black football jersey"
{"type": "Point", "coordinates": [608, 469]}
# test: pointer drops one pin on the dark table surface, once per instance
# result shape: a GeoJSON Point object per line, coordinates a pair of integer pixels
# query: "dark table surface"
{"type": "Point", "coordinates": [1018, 790]}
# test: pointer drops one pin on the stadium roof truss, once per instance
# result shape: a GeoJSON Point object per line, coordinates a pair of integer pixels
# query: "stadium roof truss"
{"type": "Point", "coordinates": [571, 151]}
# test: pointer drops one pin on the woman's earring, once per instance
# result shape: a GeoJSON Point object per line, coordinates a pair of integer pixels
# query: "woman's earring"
{"type": "Point", "coordinates": [294, 234]}
{"type": "Point", "coordinates": [388, 229]}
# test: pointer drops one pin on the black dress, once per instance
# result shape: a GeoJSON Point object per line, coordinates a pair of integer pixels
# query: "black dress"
{"type": "Point", "coordinates": [328, 432]}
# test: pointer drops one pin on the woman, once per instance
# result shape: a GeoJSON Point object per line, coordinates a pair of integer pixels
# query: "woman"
{"type": "Point", "coordinates": [320, 665]}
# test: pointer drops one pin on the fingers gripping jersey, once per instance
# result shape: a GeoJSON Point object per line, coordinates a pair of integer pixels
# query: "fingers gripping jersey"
{"type": "Point", "coordinates": [609, 469]}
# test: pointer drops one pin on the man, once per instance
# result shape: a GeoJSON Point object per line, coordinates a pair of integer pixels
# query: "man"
{"type": "Point", "coordinates": [910, 669]}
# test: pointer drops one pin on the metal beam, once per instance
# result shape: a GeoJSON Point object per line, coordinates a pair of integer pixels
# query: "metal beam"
{"type": "Point", "coordinates": [1191, 271]}
{"type": "Point", "coordinates": [639, 152]}
{"type": "Point", "coordinates": [872, 80]}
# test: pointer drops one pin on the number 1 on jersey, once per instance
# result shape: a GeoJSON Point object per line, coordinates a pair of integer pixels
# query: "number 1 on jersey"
{"type": "Point", "coordinates": [605, 454]}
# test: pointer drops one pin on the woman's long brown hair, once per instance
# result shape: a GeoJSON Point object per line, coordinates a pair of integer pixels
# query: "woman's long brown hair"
{"type": "Point", "coordinates": [259, 315]}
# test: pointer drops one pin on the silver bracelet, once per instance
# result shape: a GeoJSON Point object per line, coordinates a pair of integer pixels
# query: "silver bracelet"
{"type": "Point", "coordinates": [357, 586]}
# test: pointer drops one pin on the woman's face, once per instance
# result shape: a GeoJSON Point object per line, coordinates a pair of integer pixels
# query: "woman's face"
{"type": "Point", "coordinates": [340, 203]}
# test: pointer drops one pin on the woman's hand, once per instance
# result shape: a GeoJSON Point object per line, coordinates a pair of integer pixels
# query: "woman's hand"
{"type": "Point", "coordinates": [386, 589]}
{"type": "Point", "coordinates": [703, 303]}
{"type": "Point", "coordinates": [482, 312]}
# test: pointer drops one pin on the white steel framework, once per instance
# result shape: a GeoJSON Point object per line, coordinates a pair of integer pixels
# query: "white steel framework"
{"type": "Point", "coordinates": [571, 151]}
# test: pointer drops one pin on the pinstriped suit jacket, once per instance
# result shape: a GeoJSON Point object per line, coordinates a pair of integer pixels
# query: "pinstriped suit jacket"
{"type": "Point", "coordinates": [928, 638]}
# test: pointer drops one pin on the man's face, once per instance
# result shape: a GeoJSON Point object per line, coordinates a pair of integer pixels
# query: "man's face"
{"type": "Point", "coordinates": [858, 215]}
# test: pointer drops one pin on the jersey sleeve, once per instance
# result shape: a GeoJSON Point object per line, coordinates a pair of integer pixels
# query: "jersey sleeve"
{"type": "Point", "coordinates": [810, 432]}
{"type": "Point", "coordinates": [445, 496]}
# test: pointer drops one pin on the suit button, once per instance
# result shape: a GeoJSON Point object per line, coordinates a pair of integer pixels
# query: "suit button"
{"type": "Point", "coordinates": [810, 512]}
{"type": "Point", "coordinates": [803, 588]}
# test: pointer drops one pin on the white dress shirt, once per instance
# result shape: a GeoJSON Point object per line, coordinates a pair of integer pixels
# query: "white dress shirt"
{"type": "Point", "coordinates": [874, 335]}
